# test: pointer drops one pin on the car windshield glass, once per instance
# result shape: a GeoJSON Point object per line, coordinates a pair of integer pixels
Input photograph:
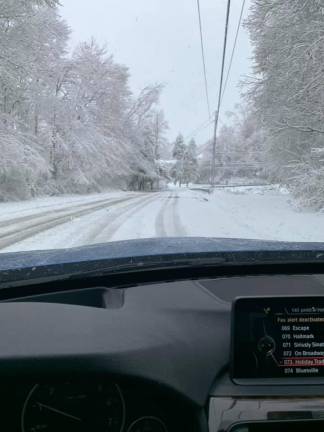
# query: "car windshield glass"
{"type": "Point", "coordinates": [123, 119]}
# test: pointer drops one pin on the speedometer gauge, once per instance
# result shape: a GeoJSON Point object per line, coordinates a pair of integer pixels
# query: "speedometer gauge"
{"type": "Point", "coordinates": [147, 424]}
{"type": "Point", "coordinates": [74, 407]}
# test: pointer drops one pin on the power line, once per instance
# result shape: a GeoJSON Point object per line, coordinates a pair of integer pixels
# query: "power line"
{"type": "Point", "coordinates": [199, 128]}
{"type": "Point", "coordinates": [207, 123]}
{"type": "Point", "coordinates": [213, 173]}
{"type": "Point", "coordinates": [234, 48]}
{"type": "Point", "coordinates": [203, 55]}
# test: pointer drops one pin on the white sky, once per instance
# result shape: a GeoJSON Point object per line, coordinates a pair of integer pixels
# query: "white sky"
{"type": "Point", "coordinates": [159, 41]}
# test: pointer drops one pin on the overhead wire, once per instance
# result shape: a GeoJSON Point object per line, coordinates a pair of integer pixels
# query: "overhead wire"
{"type": "Point", "coordinates": [234, 48]}
{"type": "Point", "coordinates": [208, 122]}
{"type": "Point", "coordinates": [199, 128]}
{"type": "Point", "coordinates": [213, 170]}
{"type": "Point", "coordinates": [203, 56]}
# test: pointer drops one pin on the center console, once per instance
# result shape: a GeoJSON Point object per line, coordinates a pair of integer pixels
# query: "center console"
{"type": "Point", "coordinates": [278, 340]}
{"type": "Point", "coordinates": [276, 376]}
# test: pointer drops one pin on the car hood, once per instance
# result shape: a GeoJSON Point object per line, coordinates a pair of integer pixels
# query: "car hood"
{"type": "Point", "coordinates": [152, 253]}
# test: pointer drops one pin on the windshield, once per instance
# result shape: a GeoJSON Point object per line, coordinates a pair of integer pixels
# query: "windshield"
{"type": "Point", "coordinates": [123, 119]}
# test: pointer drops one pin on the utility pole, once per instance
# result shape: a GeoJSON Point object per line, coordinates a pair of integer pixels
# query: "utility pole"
{"type": "Point", "coordinates": [213, 168]}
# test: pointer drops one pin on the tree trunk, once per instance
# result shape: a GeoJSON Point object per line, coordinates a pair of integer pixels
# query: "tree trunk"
{"type": "Point", "coordinates": [54, 148]}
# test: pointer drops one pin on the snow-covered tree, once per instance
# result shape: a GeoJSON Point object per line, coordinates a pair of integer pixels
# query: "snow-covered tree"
{"type": "Point", "coordinates": [179, 148]}
{"type": "Point", "coordinates": [69, 123]}
{"type": "Point", "coordinates": [190, 165]}
{"type": "Point", "coordinates": [178, 153]}
{"type": "Point", "coordinates": [141, 121]}
{"type": "Point", "coordinates": [287, 92]}
{"type": "Point", "coordinates": [32, 40]}
{"type": "Point", "coordinates": [240, 152]}
{"type": "Point", "coordinates": [159, 127]}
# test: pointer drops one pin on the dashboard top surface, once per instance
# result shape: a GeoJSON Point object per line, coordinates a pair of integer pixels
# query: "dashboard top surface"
{"type": "Point", "coordinates": [169, 333]}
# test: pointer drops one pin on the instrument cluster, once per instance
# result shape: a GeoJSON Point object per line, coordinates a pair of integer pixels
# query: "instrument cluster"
{"type": "Point", "coordinates": [100, 406]}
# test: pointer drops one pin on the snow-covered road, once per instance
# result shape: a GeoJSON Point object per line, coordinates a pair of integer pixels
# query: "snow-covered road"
{"type": "Point", "coordinates": [244, 212]}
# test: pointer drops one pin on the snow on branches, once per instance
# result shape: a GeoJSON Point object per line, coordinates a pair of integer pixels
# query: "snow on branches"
{"type": "Point", "coordinates": [288, 91]}
{"type": "Point", "coordinates": [68, 123]}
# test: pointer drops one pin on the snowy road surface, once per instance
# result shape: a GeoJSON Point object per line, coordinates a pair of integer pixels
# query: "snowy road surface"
{"type": "Point", "coordinates": [244, 212]}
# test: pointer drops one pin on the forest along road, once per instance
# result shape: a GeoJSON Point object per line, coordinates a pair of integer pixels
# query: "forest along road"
{"type": "Point", "coordinates": [266, 213]}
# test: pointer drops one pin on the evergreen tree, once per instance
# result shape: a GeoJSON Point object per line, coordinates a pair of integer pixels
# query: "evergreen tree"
{"type": "Point", "coordinates": [179, 151]}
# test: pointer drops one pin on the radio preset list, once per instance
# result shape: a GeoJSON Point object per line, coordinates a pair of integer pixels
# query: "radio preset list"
{"type": "Point", "coordinates": [302, 347]}
{"type": "Point", "coordinates": [279, 337]}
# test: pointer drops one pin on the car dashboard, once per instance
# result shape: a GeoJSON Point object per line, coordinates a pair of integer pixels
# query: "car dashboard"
{"type": "Point", "coordinates": [99, 404]}
{"type": "Point", "coordinates": [213, 348]}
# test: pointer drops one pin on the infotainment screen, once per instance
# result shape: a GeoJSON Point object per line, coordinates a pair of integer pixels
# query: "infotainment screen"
{"type": "Point", "coordinates": [278, 338]}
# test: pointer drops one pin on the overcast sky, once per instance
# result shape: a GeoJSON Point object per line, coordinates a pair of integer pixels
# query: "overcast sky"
{"type": "Point", "coordinates": [159, 41]}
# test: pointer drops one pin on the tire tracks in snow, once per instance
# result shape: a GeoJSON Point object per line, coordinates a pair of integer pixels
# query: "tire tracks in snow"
{"type": "Point", "coordinates": [124, 216]}
{"type": "Point", "coordinates": [178, 227]}
{"type": "Point", "coordinates": [168, 221]}
{"type": "Point", "coordinates": [41, 224]}
{"type": "Point", "coordinates": [39, 208]}
{"type": "Point", "coordinates": [41, 214]}
{"type": "Point", "coordinates": [160, 228]}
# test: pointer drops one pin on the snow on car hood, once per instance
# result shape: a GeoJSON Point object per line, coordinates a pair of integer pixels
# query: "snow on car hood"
{"type": "Point", "coordinates": [15, 266]}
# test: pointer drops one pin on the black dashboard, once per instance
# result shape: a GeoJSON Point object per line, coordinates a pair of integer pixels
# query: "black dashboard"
{"type": "Point", "coordinates": [206, 347]}
{"type": "Point", "coordinates": [98, 404]}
